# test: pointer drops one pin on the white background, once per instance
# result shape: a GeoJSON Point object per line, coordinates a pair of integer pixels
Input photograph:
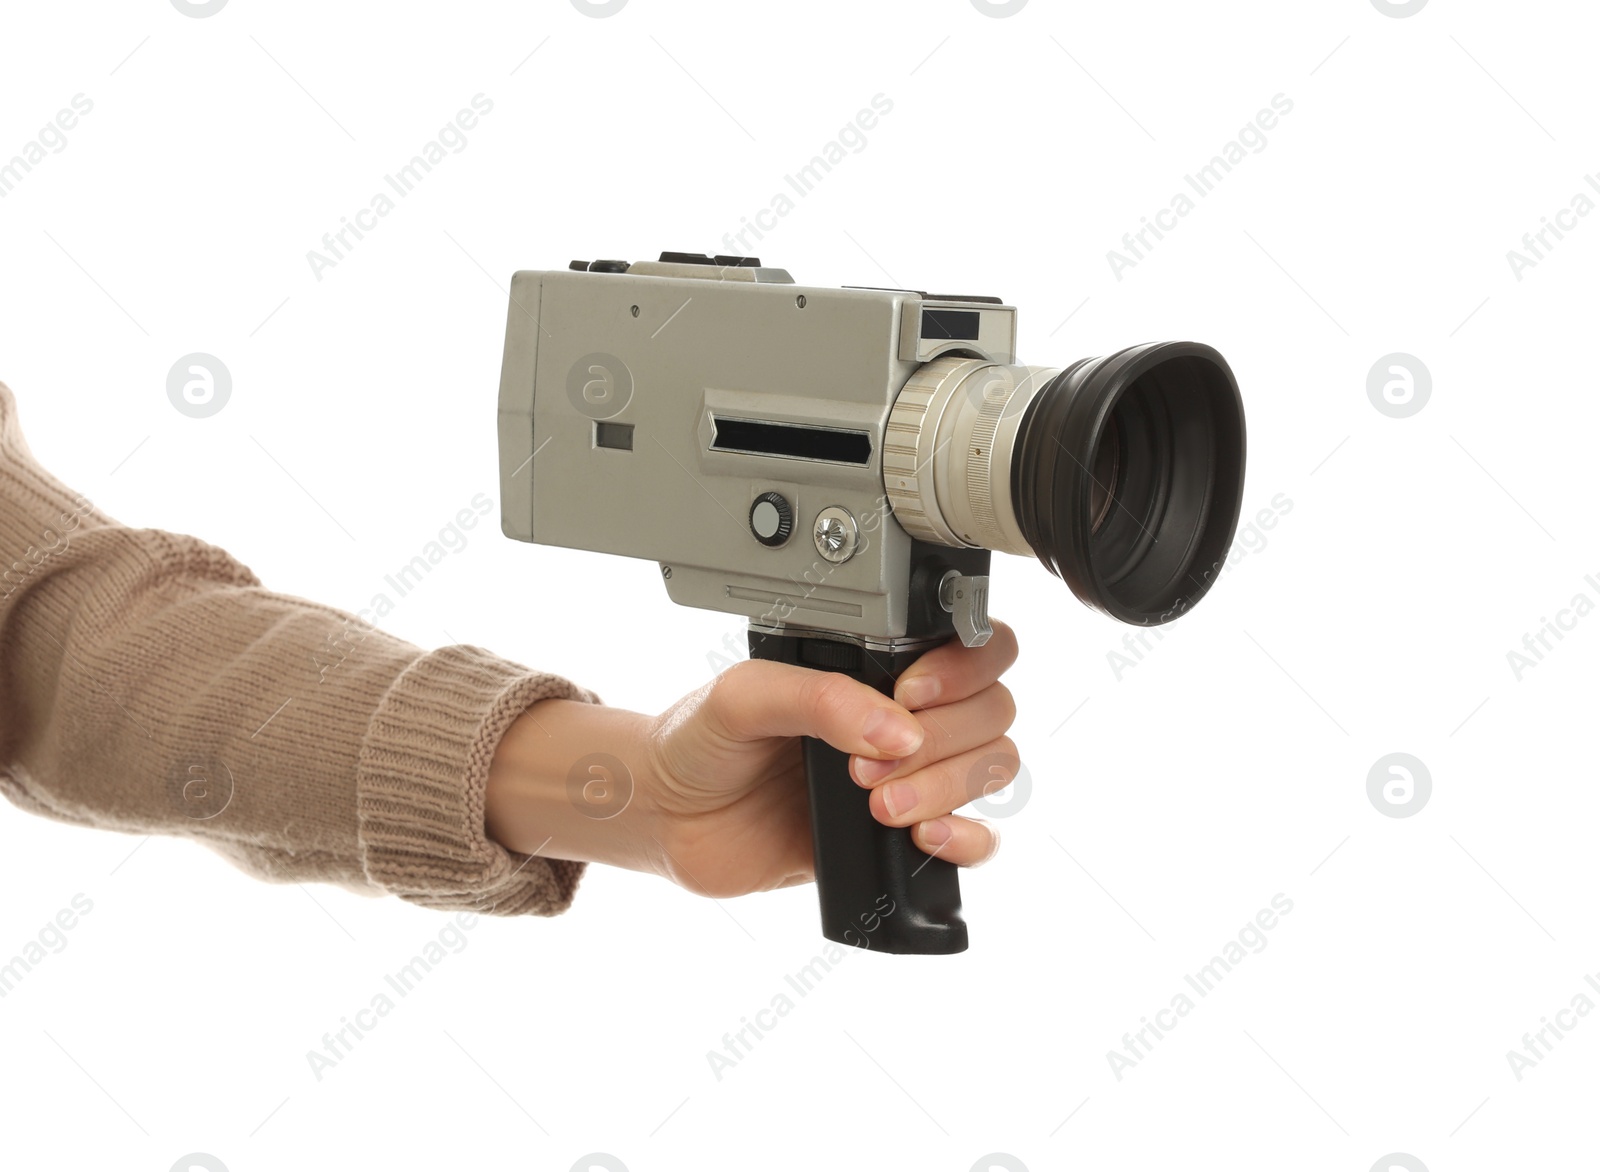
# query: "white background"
{"type": "Point", "coordinates": [1226, 767]}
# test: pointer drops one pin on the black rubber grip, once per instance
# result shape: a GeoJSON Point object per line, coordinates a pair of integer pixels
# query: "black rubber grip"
{"type": "Point", "coordinates": [878, 890]}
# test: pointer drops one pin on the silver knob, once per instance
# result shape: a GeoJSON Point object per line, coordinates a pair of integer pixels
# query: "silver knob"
{"type": "Point", "coordinates": [835, 534]}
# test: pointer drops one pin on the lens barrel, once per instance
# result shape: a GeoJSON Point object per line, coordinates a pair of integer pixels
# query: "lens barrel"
{"type": "Point", "coordinates": [1123, 474]}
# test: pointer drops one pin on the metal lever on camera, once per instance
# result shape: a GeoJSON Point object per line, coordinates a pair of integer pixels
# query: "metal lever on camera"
{"type": "Point", "coordinates": [965, 598]}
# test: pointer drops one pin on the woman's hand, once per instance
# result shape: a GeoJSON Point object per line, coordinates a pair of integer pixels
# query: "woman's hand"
{"type": "Point", "coordinates": [712, 792]}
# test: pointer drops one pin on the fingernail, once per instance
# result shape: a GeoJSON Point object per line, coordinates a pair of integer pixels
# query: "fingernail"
{"type": "Point", "coordinates": [935, 833]}
{"type": "Point", "coordinates": [899, 797]}
{"type": "Point", "coordinates": [890, 732]}
{"type": "Point", "coordinates": [918, 691]}
{"type": "Point", "coordinates": [870, 771]}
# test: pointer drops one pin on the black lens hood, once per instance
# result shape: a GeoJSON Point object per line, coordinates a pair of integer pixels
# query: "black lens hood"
{"type": "Point", "coordinates": [1181, 433]}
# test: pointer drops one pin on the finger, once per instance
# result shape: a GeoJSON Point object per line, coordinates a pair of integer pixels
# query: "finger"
{"type": "Point", "coordinates": [946, 785]}
{"type": "Point", "coordinates": [949, 729]}
{"type": "Point", "coordinates": [952, 672]}
{"type": "Point", "coordinates": [758, 698]}
{"type": "Point", "coordinates": [966, 842]}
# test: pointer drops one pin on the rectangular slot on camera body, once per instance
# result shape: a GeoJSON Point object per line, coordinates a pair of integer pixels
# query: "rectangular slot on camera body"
{"type": "Point", "coordinates": [613, 435]}
{"type": "Point", "coordinates": [791, 441]}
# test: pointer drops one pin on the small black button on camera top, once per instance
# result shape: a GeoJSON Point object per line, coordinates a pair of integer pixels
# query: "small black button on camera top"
{"type": "Point", "coordinates": [700, 258]}
{"type": "Point", "coordinates": [771, 518]}
{"type": "Point", "coordinates": [599, 266]}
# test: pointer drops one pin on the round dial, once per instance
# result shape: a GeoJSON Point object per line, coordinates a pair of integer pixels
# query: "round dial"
{"type": "Point", "coordinates": [771, 518]}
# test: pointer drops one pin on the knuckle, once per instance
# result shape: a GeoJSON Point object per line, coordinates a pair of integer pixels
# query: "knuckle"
{"type": "Point", "coordinates": [728, 683]}
{"type": "Point", "coordinates": [996, 766]}
{"type": "Point", "coordinates": [741, 672]}
{"type": "Point", "coordinates": [1007, 703]}
{"type": "Point", "coordinates": [1007, 748]}
{"type": "Point", "coordinates": [828, 696]}
{"type": "Point", "coordinates": [992, 847]}
{"type": "Point", "coordinates": [938, 740]}
{"type": "Point", "coordinates": [720, 698]}
{"type": "Point", "coordinates": [1005, 639]}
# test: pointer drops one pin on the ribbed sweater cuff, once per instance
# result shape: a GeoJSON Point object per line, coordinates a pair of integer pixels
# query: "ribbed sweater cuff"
{"type": "Point", "coordinates": [422, 779]}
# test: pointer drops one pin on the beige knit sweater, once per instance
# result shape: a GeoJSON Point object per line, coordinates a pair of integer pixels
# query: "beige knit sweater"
{"type": "Point", "coordinates": [149, 684]}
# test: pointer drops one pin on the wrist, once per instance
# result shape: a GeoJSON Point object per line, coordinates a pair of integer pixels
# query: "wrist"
{"type": "Point", "coordinates": [571, 780]}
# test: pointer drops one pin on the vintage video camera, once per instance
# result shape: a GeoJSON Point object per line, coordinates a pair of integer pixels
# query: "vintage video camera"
{"type": "Point", "coordinates": [836, 465]}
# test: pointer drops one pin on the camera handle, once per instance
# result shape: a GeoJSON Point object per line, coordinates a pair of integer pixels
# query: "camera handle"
{"type": "Point", "coordinates": [877, 888]}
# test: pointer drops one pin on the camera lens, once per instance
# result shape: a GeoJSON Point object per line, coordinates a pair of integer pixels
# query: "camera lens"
{"type": "Point", "coordinates": [1127, 477]}
{"type": "Point", "coordinates": [1123, 474]}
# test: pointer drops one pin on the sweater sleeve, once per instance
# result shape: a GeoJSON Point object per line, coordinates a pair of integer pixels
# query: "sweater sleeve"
{"type": "Point", "coordinates": [149, 684]}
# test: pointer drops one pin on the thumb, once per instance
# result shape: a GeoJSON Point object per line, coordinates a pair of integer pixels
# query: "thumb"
{"type": "Point", "coordinates": [758, 698]}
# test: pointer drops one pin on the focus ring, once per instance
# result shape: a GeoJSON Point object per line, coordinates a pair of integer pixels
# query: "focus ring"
{"type": "Point", "coordinates": [980, 460]}
{"type": "Point", "coordinates": [909, 443]}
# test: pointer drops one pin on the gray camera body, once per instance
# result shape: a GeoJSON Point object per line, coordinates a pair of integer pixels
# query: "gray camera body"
{"type": "Point", "coordinates": [734, 427]}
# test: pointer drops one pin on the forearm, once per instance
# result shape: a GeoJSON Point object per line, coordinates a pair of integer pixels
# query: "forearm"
{"type": "Point", "coordinates": [149, 684]}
